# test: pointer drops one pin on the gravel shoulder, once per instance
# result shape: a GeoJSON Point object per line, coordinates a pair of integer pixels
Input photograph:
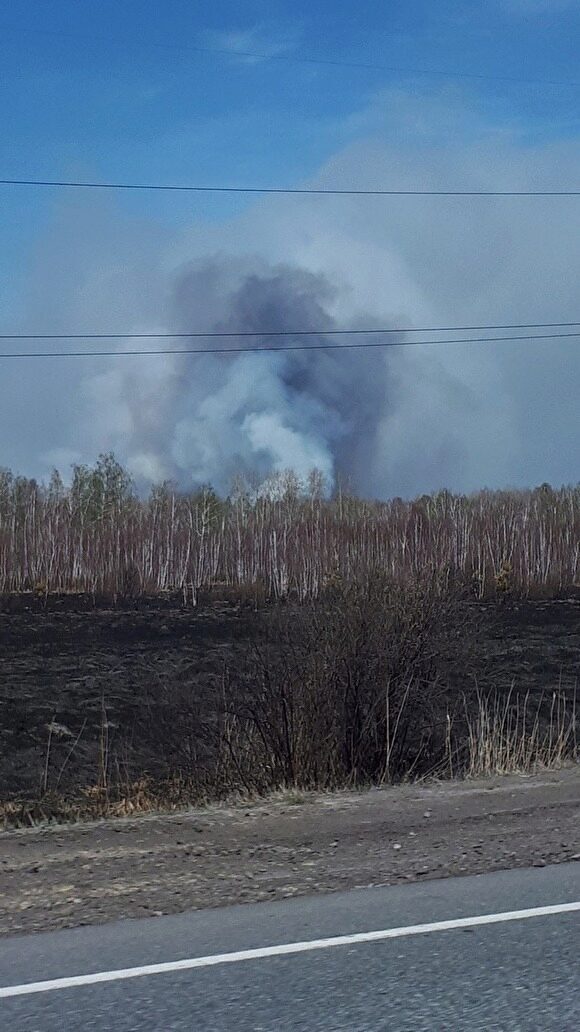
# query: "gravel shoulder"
{"type": "Point", "coordinates": [59, 877]}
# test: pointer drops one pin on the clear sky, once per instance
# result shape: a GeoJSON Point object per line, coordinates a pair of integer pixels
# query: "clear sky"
{"type": "Point", "coordinates": [109, 89]}
{"type": "Point", "coordinates": [144, 91]}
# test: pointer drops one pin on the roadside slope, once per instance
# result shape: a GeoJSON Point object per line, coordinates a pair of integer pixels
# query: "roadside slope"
{"type": "Point", "coordinates": [89, 873]}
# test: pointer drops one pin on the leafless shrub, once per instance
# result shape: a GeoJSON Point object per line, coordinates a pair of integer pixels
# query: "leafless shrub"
{"type": "Point", "coordinates": [350, 689]}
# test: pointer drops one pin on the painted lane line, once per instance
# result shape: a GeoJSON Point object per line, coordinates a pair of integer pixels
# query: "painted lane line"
{"type": "Point", "coordinates": [283, 950]}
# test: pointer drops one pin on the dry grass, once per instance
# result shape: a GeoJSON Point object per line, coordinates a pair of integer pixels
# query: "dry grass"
{"type": "Point", "coordinates": [94, 803]}
{"type": "Point", "coordinates": [509, 735]}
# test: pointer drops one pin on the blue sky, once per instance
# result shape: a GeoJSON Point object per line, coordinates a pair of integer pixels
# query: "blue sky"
{"type": "Point", "coordinates": [140, 91]}
{"type": "Point", "coordinates": [114, 90]}
{"type": "Point", "coordinates": [106, 90]}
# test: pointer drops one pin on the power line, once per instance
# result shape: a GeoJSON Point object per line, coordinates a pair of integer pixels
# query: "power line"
{"type": "Point", "coordinates": [298, 60]}
{"type": "Point", "coordinates": [332, 192]}
{"type": "Point", "coordinates": [283, 333]}
{"type": "Point", "coordinates": [285, 347]}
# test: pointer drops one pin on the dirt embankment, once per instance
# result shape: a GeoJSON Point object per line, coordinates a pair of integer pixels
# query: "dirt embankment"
{"type": "Point", "coordinates": [85, 874]}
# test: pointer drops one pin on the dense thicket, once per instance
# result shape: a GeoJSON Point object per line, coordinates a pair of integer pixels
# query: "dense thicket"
{"type": "Point", "coordinates": [282, 538]}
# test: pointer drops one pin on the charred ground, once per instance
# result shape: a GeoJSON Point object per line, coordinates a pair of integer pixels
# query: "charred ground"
{"type": "Point", "coordinates": [100, 699]}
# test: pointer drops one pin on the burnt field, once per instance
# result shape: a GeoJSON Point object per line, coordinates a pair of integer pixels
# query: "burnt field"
{"type": "Point", "coordinates": [111, 701]}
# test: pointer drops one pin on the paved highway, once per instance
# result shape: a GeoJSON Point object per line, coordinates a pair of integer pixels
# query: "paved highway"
{"type": "Point", "coordinates": [493, 952]}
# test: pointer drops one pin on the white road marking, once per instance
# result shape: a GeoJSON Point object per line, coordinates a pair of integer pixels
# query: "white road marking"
{"type": "Point", "coordinates": [283, 950]}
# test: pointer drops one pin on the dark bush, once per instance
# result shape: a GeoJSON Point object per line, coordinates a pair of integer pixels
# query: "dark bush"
{"type": "Point", "coordinates": [351, 688]}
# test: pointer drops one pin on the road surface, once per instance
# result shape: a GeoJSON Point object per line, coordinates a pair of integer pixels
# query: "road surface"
{"type": "Point", "coordinates": [491, 952]}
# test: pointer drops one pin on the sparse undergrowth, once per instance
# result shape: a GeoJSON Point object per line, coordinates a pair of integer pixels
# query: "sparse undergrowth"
{"type": "Point", "coordinates": [355, 688]}
{"type": "Point", "coordinates": [500, 742]}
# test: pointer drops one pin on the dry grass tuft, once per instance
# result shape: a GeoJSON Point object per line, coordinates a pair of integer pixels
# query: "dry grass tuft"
{"type": "Point", "coordinates": [509, 735]}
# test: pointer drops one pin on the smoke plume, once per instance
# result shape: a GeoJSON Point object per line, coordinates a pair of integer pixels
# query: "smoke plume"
{"type": "Point", "coordinates": [398, 421]}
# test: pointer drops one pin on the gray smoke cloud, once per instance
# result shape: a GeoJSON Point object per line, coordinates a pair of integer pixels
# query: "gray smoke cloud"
{"type": "Point", "coordinates": [399, 421]}
{"type": "Point", "coordinates": [297, 409]}
{"type": "Point", "coordinates": [209, 418]}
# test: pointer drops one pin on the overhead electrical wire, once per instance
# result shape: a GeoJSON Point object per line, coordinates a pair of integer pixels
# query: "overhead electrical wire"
{"type": "Point", "coordinates": [253, 55]}
{"type": "Point", "coordinates": [285, 333]}
{"type": "Point", "coordinates": [284, 347]}
{"type": "Point", "coordinates": [328, 191]}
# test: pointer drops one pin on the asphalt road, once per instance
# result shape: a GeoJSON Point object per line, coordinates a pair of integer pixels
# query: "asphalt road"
{"type": "Point", "coordinates": [512, 974]}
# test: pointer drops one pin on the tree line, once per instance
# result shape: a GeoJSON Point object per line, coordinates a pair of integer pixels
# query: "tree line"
{"type": "Point", "coordinates": [280, 537]}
